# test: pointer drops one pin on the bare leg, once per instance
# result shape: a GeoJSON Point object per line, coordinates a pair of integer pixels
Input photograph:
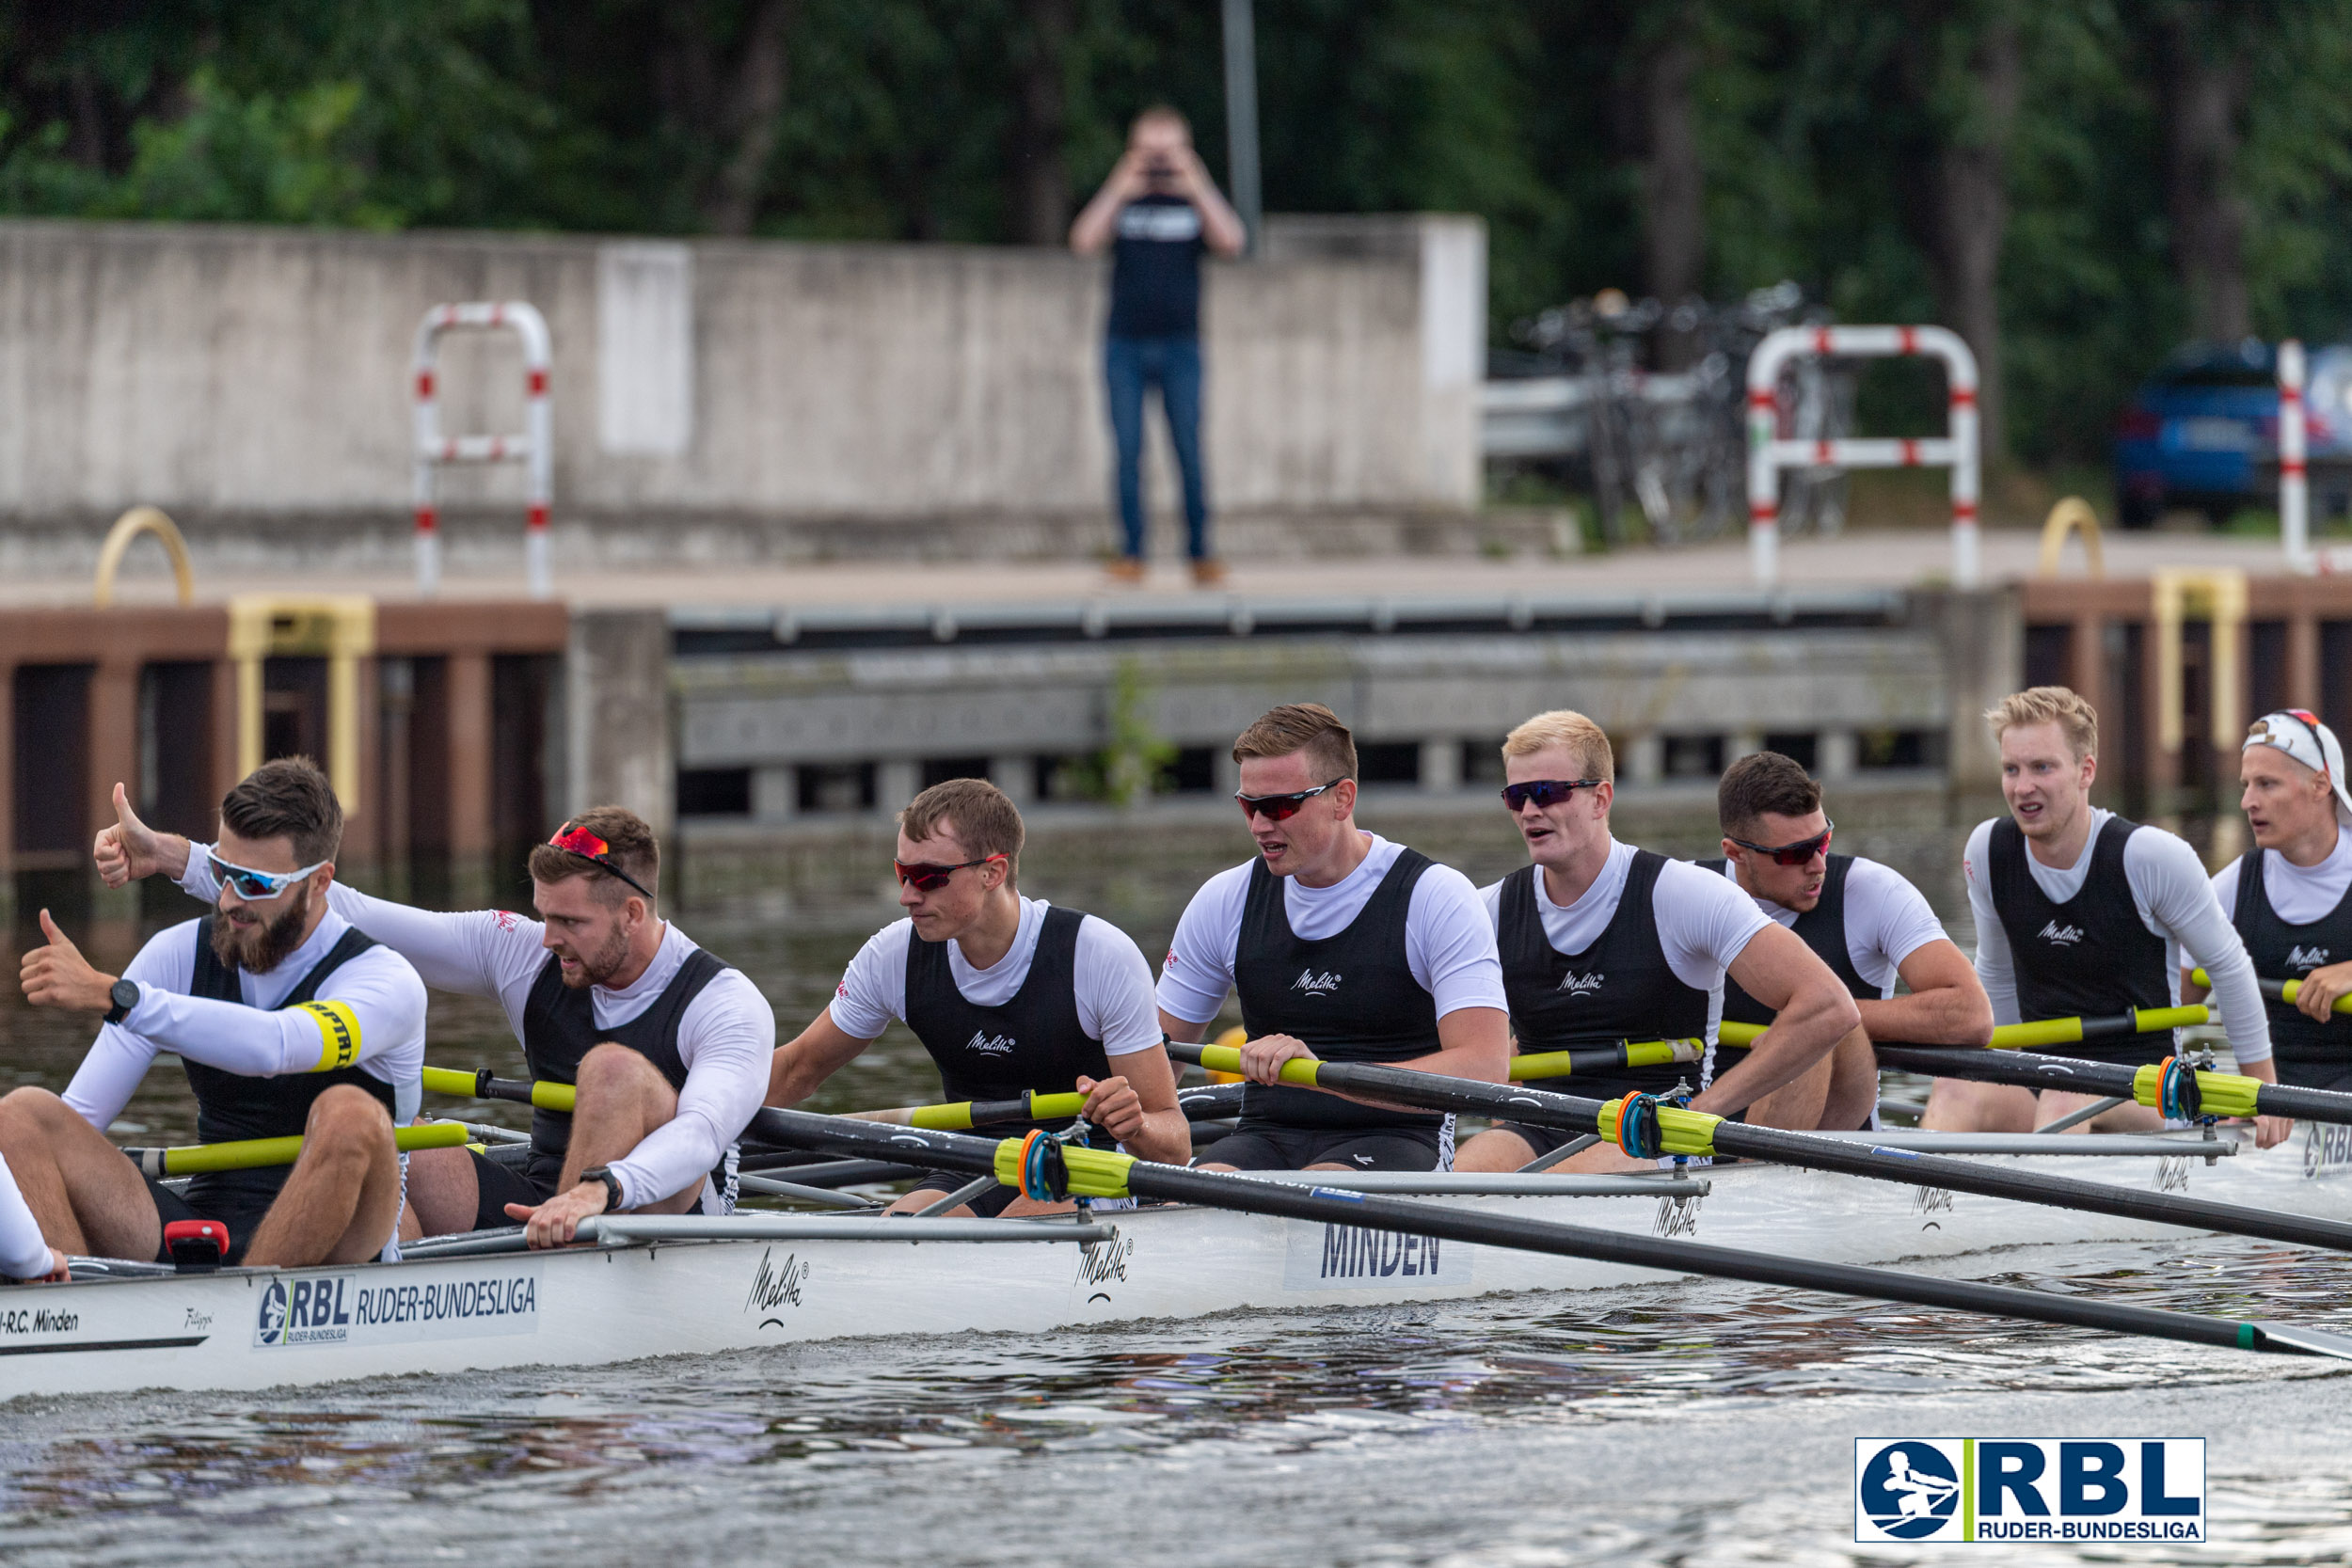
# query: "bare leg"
{"type": "Point", "coordinates": [343, 1196]}
{"type": "Point", "coordinates": [1854, 1083]}
{"type": "Point", "coordinates": [87, 1199]}
{"type": "Point", "coordinates": [1796, 1105]}
{"type": "Point", "coordinates": [1496, 1149]}
{"type": "Point", "coordinates": [443, 1193]}
{"type": "Point", "coordinates": [2124, 1119]}
{"type": "Point", "coordinates": [1964, 1105]}
{"type": "Point", "coordinates": [622, 1097]}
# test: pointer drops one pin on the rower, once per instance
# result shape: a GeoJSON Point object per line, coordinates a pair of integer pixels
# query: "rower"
{"type": "Point", "coordinates": [1602, 942]}
{"type": "Point", "coordinates": [2297, 914]}
{"type": "Point", "coordinates": [289, 1021]}
{"type": "Point", "coordinates": [1007, 993]}
{"type": "Point", "coordinates": [1861, 918]}
{"type": "Point", "coordinates": [1344, 946]}
{"type": "Point", "coordinates": [2082, 913]}
{"type": "Point", "coordinates": [24, 1252]}
{"type": "Point", "coordinates": [667, 1045]}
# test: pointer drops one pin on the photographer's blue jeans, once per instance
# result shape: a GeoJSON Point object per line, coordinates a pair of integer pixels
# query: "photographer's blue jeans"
{"type": "Point", "coordinates": [1173, 365]}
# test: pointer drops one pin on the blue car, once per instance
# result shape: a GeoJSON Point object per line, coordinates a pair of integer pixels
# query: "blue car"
{"type": "Point", "coordinates": [2202, 433]}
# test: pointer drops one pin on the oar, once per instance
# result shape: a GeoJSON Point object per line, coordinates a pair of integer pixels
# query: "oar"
{"type": "Point", "coordinates": [480, 1086]}
{"type": "Point", "coordinates": [959, 1115]}
{"type": "Point", "coordinates": [1695, 1132]}
{"type": "Point", "coordinates": [2279, 990]}
{"type": "Point", "coordinates": [2216, 1093]}
{"type": "Point", "coordinates": [1100, 1173]}
{"type": "Point", "coordinates": [2047, 1031]}
{"type": "Point", "coordinates": [257, 1153]}
{"type": "Point", "coordinates": [1607, 1058]}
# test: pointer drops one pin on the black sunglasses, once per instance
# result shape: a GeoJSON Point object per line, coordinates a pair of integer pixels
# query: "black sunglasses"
{"type": "Point", "coordinates": [1544, 792]}
{"type": "Point", "coordinates": [1798, 853]}
{"type": "Point", "coordinates": [930, 876]}
{"type": "Point", "coordinates": [1280, 808]}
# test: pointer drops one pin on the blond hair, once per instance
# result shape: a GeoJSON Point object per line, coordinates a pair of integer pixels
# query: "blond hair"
{"type": "Point", "coordinates": [1295, 727]}
{"type": "Point", "coordinates": [1587, 741]}
{"type": "Point", "coordinates": [2048, 705]}
{"type": "Point", "coordinates": [982, 817]}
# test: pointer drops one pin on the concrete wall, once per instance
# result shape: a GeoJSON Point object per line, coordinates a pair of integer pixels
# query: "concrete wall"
{"type": "Point", "coordinates": [251, 379]}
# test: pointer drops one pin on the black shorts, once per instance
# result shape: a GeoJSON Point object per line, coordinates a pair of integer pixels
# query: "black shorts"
{"type": "Point", "coordinates": [2333, 1076]}
{"type": "Point", "coordinates": [987, 1206]}
{"type": "Point", "coordinates": [1356, 1147]}
{"type": "Point", "coordinates": [241, 1220]}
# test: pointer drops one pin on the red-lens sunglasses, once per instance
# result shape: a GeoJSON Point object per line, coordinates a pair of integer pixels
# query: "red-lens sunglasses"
{"type": "Point", "coordinates": [926, 877]}
{"type": "Point", "coordinates": [1280, 808]}
{"type": "Point", "coordinates": [1798, 853]}
{"type": "Point", "coordinates": [588, 847]}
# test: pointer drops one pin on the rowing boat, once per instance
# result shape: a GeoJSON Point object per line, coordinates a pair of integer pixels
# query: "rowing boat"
{"type": "Point", "coordinates": [668, 1285]}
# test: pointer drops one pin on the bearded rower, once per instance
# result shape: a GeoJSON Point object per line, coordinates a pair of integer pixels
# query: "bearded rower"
{"type": "Point", "coordinates": [2296, 916]}
{"type": "Point", "coordinates": [1009, 994]}
{"type": "Point", "coordinates": [1343, 947]}
{"type": "Point", "coordinates": [667, 1045]}
{"type": "Point", "coordinates": [2082, 913]}
{"type": "Point", "coordinates": [1861, 918]}
{"type": "Point", "coordinates": [288, 1021]}
{"type": "Point", "coordinates": [1604, 943]}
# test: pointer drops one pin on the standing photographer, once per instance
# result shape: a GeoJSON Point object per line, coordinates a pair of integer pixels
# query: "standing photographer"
{"type": "Point", "coordinates": [1159, 209]}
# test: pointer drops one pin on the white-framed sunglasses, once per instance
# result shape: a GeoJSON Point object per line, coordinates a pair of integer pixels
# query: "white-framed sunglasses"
{"type": "Point", "coordinates": [258, 887]}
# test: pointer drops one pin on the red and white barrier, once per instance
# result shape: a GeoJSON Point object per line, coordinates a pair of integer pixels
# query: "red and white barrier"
{"type": "Point", "coordinates": [533, 448]}
{"type": "Point", "coordinates": [2294, 491]}
{"type": "Point", "coordinates": [1768, 454]}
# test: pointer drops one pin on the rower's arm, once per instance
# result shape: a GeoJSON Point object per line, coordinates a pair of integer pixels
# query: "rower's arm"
{"type": "Point", "coordinates": [2172, 890]}
{"type": "Point", "coordinates": [802, 1063]}
{"type": "Point", "coordinates": [1947, 1004]}
{"type": "Point", "coordinates": [24, 1251]}
{"type": "Point", "coordinates": [1166, 1133]}
{"type": "Point", "coordinates": [1811, 1009]}
{"type": "Point", "coordinates": [374, 1007]}
{"type": "Point", "coordinates": [726, 1037]}
{"type": "Point", "coordinates": [1184, 1031]}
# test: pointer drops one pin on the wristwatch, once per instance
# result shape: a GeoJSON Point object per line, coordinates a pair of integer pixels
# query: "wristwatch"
{"type": "Point", "coordinates": [612, 1186]}
{"type": "Point", "coordinates": [124, 994]}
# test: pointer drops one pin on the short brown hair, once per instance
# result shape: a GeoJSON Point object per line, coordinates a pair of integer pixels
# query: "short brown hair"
{"type": "Point", "coordinates": [1761, 782]}
{"type": "Point", "coordinates": [1594, 757]}
{"type": "Point", "coordinates": [983, 817]}
{"type": "Point", "coordinates": [1150, 112]}
{"type": "Point", "coordinates": [2049, 704]}
{"type": "Point", "coordinates": [290, 798]}
{"type": "Point", "coordinates": [1308, 727]}
{"type": "Point", "coordinates": [630, 846]}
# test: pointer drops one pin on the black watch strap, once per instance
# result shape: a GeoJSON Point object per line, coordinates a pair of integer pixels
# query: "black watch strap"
{"type": "Point", "coordinates": [124, 996]}
{"type": "Point", "coordinates": [612, 1186]}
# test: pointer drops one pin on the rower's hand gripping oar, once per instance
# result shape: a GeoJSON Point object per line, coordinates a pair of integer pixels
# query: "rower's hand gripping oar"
{"type": "Point", "coordinates": [1103, 1173]}
{"type": "Point", "coordinates": [2279, 990]}
{"type": "Point", "coordinates": [1647, 1127]}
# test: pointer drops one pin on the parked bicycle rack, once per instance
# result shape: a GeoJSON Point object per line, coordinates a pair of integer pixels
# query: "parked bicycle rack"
{"type": "Point", "coordinates": [1768, 454]}
{"type": "Point", "coordinates": [534, 447]}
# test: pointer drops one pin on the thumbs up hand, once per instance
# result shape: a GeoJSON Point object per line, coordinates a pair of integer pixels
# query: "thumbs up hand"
{"type": "Point", "coordinates": [130, 850]}
{"type": "Point", "coordinates": [59, 976]}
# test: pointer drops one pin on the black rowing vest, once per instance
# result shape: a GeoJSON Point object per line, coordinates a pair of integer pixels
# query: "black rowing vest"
{"type": "Point", "coordinates": [560, 1027]}
{"type": "Point", "coordinates": [1033, 1041]}
{"type": "Point", "coordinates": [232, 1105]}
{"type": "Point", "coordinates": [1349, 998]}
{"type": "Point", "coordinates": [2309, 1054]}
{"type": "Point", "coordinates": [1822, 929]}
{"type": "Point", "coordinates": [2090, 957]}
{"type": "Point", "coordinates": [1619, 988]}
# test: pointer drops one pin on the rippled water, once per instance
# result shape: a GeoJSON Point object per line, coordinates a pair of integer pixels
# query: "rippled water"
{"type": "Point", "coordinates": [1686, 1422]}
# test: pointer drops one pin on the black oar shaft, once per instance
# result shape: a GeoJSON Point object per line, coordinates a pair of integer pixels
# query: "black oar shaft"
{"type": "Point", "coordinates": [1543, 1108]}
{"type": "Point", "coordinates": [953, 1151]}
{"type": "Point", "coordinates": [2075, 1076]}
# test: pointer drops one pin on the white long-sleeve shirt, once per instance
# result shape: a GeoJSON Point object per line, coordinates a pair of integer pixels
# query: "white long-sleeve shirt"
{"type": "Point", "coordinates": [369, 1014]}
{"type": "Point", "coordinates": [726, 1035]}
{"type": "Point", "coordinates": [2174, 900]}
{"type": "Point", "coordinates": [24, 1251]}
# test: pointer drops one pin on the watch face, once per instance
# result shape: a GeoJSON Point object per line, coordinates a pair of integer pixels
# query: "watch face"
{"type": "Point", "coordinates": [124, 994]}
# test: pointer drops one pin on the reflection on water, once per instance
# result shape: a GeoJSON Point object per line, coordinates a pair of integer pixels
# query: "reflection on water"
{"type": "Point", "coordinates": [1688, 1422]}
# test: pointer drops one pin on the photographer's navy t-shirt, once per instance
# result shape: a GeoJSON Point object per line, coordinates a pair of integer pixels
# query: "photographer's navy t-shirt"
{"type": "Point", "coordinates": [1156, 269]}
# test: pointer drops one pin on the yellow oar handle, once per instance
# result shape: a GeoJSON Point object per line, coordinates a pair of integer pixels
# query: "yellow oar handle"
{"type": "Point", "coordinates": [441, 1080]}
{"type": "Point", "coordinates": [958, 1115]}
{"type": "Point", "coordinates": [1224, 1058]}
{"type": "Point", "coordinates": [544, 1096]}
{"type": "Point", "coordinates": [2283, 991]}
{"type": "Point", "coordinates": [1564, 1064]}
{"type": "Point", "coordinates": [2048, 1031]}
{"type": "Point", "coordinates": [1728, 1033]}
{"type": "Point", "coordinates": [258, 1153]}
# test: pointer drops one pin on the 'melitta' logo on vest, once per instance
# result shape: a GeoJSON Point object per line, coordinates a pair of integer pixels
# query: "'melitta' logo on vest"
{"type": "Point", "coordinates": [1582, 984]}
{"type": "Point", "coordinates": [1313, 984]}
{"type": "Point", "coordinates": [2060, 936]}
{"type": "Point", "coordinates": [2306, 957]}
{"type": "Point", "coordinates": [993, 1045]}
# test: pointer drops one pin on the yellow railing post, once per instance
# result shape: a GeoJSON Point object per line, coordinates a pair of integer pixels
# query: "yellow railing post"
{"type": "Point", "coordinates": [2073, 514]}
{"type": "Point", "coordinates": [342, 627]}
{"type": "Point", "coordinates": [138, 520]}
{"type": "Point", "coordinates": [2217, 594]}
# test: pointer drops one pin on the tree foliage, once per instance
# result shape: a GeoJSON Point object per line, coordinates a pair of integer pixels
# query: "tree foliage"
{"type": "Point", "coordinates": [1821, 129]}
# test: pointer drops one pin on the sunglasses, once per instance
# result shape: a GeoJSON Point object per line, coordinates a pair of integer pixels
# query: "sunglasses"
{"type": "Point", "coordinates": [1545, 792]}
{"type": "Point", "coordinates": [1798, 853]}
{"type": "Point", "coordinates": [1280, 808]}
{"type": "Point", "coordinates": [924, 876]}
{"type": "Point", "coordinates": [588, 847]}
{"type": "Point", "coordinates": [256, 886]}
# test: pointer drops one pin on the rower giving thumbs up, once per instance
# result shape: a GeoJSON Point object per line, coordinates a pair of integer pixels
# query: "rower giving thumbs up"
{"type": "Point", "coordinates": [129, 849]}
